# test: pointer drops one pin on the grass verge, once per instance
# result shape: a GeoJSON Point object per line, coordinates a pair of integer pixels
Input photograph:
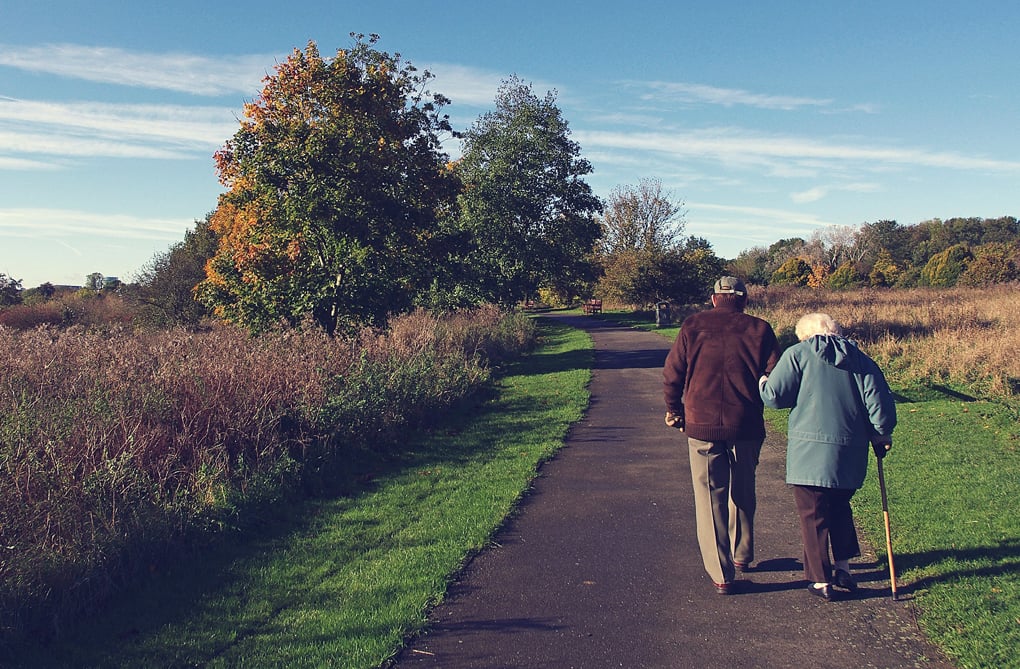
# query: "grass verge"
{"type": "Point", "coordinates": [341, 582]}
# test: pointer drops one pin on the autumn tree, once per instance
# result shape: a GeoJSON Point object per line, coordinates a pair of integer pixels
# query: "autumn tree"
{"type": "Point", "coordinates": [525, 205]}
{"type": "Point", "coordinates": [995, 262]}
{"type": "Point", "coordinates": [336, 183]}
{"type": "Point", "coordinates": [884, 272]}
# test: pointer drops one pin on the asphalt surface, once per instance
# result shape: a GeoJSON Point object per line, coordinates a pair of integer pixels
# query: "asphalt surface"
{"type": "Point", "coordinates": [600, 567]}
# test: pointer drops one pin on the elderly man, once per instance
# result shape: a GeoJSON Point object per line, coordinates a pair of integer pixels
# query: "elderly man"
{"type": "Point", "coordinates": [710, 385]}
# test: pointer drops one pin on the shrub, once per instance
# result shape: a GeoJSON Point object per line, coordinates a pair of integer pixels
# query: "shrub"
{"type": "Point", "coordinates": [845, 277]}
{"type": "Point", "coordinates": [944, 269]}
{"type": "Point", "coordinates": [993, 263]}
{"type": "Point", "coordinates": [793, 272]}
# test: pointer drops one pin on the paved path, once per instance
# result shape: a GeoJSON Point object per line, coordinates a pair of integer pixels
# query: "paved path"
{"type": "Point", "coordinates": [600, 568]}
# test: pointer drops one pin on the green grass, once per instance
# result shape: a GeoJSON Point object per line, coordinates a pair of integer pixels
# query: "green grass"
{"type": "Point", "coordinates": [953, 481]}
{"type": "Point", "coordinates": [952, 488]}
{"type": "Point", "coordinates": [342, 582]}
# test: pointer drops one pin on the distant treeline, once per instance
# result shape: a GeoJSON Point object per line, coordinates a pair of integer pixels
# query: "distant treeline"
{"type": "Point", "coordinates": [934, 253]}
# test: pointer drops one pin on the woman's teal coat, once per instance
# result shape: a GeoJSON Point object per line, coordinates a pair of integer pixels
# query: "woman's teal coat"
{"type": "Point", "coordinates": [840, 400]}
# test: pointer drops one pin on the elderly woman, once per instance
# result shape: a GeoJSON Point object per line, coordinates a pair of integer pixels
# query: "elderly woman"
{"type": "Point", "coordinates": [840, 401]}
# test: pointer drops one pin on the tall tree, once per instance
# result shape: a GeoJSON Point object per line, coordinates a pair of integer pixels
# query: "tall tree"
{"type": "Point", "coordinates": [751, 265]}
{"type": "Point", "coordinates": [94, 281]}
{"type": "Point", "coordinates": [644, 255]}
{"type": "Point", "coordinates": [10, 291]}
{"type": "Point", "coordinates": [166, 285]}
{"type": "Point", "coordinates": [336, 182]}
{"type": "Point", "coordinates": [525, 203]}
{"type": "Point", "coordinates": [642, 217]}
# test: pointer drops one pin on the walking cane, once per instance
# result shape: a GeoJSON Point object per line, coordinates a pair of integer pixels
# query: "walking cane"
{"type": "Point", "coordinates": [888, 534]}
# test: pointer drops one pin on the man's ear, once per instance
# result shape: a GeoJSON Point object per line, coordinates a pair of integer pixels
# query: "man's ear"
{"type": "Point", "coordinates": [713, 299]}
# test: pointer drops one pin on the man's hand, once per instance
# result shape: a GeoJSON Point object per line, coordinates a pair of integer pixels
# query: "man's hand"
{"type": "Point", "coordinates": [675, 420]}
{"type": "Point", "coordinates": [881, 446]}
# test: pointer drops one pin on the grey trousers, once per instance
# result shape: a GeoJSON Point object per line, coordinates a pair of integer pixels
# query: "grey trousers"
{"type": "Point", "coordinates": [723, 475]}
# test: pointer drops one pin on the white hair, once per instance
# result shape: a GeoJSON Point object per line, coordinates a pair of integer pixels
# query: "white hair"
{"type": "Point", "coordinates": [810, 325]}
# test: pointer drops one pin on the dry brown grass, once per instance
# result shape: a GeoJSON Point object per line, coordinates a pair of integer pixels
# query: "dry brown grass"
{"type": "Point", "coordinates": [964, 336]}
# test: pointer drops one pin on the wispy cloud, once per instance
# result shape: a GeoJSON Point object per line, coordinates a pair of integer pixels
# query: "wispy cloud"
{"type": "Point", "coordinates": [181, 72]}
{"type": "Point", "coordinates": [740, 227]}
{"type": "Point", "coordinates": [727, 97]}
{"type": "Point", "coordinates": [24, 164]}
{"type": "Point", "coordinates": [820, 192]}
{"type": "Point", "coordinates": [54, 223]}
{"type": "Point", "coordinates": [737, 147]}
{"type": "Point", "coordinates": [80, 129]}
{"type": "Point", "coordinates": [465, 85]}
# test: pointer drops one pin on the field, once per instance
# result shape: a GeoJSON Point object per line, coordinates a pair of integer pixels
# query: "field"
{"type": "Point", "coordinates": [958, 336]}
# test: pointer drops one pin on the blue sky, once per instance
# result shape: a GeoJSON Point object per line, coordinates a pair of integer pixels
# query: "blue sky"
{"type": "Point", "coordinates": [768, 120]}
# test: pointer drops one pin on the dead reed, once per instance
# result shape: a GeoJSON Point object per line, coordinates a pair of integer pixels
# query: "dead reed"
{"type": "Point", "coordinates": [962, 336]}
{"type": "Point", "coordinates": [114, 443]}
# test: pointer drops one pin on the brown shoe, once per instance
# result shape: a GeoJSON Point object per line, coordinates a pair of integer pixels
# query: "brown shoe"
{"type": "Point", "coordinates": [724, 588]}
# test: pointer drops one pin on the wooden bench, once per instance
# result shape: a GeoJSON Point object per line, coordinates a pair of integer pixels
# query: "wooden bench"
{"type": "Point", "coordinates": [592, 306]}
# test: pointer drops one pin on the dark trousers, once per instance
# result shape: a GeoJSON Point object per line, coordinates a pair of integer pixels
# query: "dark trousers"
{"type": "Point", "coordinates": [825, 519]}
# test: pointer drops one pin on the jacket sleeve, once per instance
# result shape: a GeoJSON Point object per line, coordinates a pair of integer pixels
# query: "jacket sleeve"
{"type": "Point", "coordinates": [772, 357]}
{"type": "Point", "coordinates": [674, 376]}
{"type": "Point", "coordinates": [783, 385]}
{"type": "Point", "coordinates": [878, 400]}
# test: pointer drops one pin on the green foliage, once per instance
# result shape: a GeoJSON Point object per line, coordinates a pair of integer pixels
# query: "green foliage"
{"type": "Point", "coordinates": [529, 213]}
{"type": "Point", "coordinates": [944, 268]}
{"type": "Point", "coordinates": [166, 285]}
{"type": "Point", "coordinates": [94, 282]}
{"type": "Point", "coordinates": [845, 277]}
{"type": "Point", "coordinates": [689, 274]}
{"type": "Point", "coordinates": [40, 294]}
{"type": "Point", "coordinates": [884, 273]}
{"type": "Point", "coordinates": [996, 262]}
{"type": "Point", "coordinates": [891, 238]}
{"type": "Point", "coordinates": [336, 186]}
{"type": "Point", "coordinates": [910, 277]}
{"type": "Point", "coordinates": [794, 272]}
{"type": "Point", "coordinates": [10, 291]}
